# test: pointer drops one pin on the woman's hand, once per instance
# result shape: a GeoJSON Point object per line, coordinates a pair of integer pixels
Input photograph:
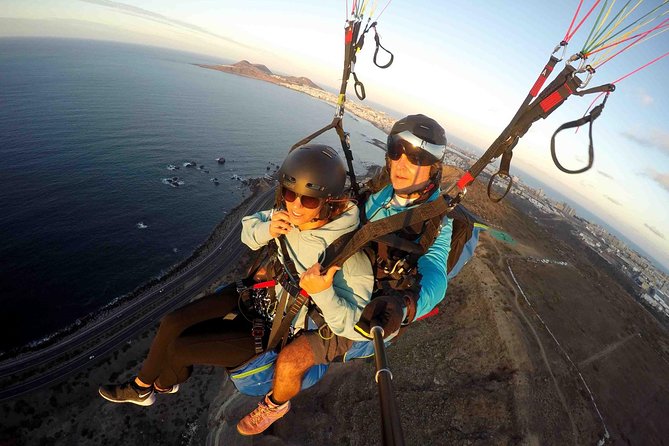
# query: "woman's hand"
{"type": "Point", "coordinates": [313, 282]}
{"type": "Point", "coordinates": [279, 224]}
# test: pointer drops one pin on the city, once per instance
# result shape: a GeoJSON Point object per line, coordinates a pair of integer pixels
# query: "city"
{"type": "Point", "coordinates": [652, 285]}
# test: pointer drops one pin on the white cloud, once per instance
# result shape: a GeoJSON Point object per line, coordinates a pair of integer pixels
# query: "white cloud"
{"type": "Point", "coordinates": [646, 99]}
{"type": "Point", "coordinates": [658, 139]}
{"type": "Point", "coordinates": [660, 178]}
{"type": "Point", "coordinates": [655, 231]}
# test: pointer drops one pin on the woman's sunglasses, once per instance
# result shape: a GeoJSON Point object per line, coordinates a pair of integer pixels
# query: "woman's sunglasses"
{"type": "Point", "coordinates": [418, 152]}
{"type": "Point", "coordinates": [307, 201]}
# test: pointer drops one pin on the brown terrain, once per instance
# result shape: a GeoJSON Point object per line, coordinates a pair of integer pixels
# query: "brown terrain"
{"type": "Point", "coordinates": [522, 352]}
{"type": "Point", "coordinates": [261, 72]}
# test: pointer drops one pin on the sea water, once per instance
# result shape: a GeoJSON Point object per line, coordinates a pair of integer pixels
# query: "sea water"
{"type": "Point", "coordinates": [87, 131]}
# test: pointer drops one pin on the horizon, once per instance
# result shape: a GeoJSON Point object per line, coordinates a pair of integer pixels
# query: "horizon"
{"type": "Point", "coordinates": [472, 97]}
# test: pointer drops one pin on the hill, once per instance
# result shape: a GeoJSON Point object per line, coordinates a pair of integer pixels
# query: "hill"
{"type": "Point", "coordinates": [261, 72]}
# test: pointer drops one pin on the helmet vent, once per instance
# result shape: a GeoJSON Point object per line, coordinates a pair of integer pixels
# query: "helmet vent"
{"type": "Point", "coordinates": [328, 154]}
{"type": "Point", "coordinates": [313, 186]}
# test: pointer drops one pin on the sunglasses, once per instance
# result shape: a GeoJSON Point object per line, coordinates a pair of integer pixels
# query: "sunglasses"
{"type": "Point", "coordinates": [417, 151]}
{"type": "Point", "coordinates": [307, 201]}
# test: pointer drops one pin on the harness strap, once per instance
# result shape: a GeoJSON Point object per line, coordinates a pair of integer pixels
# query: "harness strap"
{"type": "Point", "coordinates": [280, 329]}
{"type": "Point", "coordinates": [276, 323]}
{"type": "Point", "coordinates": [258, 332]}
{"type": "Point", "coordinates": [335, 254]}
{"type": "Point", "coordinates": [288, 263]}
{"type": "Point", "coordinates": [430, 232]}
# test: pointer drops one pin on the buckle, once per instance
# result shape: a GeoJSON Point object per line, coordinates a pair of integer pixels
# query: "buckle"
{"type": "Point", "coordinates": [240, 286]}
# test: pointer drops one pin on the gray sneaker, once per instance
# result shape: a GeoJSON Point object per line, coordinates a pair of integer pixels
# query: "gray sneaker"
{"type": "Point", "coordinates": [128, 392]}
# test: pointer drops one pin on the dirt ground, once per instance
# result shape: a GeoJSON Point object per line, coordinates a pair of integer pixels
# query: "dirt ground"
{"type": "Point", "coordinates": [522, 353]}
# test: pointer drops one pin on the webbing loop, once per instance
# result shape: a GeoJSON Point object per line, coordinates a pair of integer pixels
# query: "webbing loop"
{"type": "Point", "coordinates": [358, 87]}
{"type": "Point", "coordinates": [504, 166]}
{"type": "Point", "coordinates": [594, 114]}
{"type": "Point", "coordinates": [377, 39]}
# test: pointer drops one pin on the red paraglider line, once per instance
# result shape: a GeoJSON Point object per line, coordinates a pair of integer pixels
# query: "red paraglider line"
{"type": "Point", "coordinates": [573, 19]}
{"type": "Point", "coordinates": [569, 36]}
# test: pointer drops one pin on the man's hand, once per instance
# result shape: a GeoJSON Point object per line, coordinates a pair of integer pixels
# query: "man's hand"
{"type": "Point", "coordinates": [313, 282]}
{"type": "Point", "coordinates": [279, 224]}
{"type": "Point", "coordinates": [385, 311]}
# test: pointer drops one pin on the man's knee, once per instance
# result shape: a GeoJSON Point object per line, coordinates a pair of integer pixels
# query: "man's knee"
{"type": "Point", "coordinates": [296, 357]}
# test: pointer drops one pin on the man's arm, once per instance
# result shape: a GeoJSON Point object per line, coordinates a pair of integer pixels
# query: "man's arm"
{"type": "Point", "coordinates": [433, 269]}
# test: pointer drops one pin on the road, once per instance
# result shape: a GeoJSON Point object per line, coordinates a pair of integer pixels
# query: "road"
{"type": "Point", "coordinates": [113, 330]}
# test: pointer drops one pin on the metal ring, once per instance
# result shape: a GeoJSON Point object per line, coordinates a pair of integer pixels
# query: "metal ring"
{"type": "Point", "coordinates": [376, 376]}
{"type": "Point", "coordinates": [321, 335]}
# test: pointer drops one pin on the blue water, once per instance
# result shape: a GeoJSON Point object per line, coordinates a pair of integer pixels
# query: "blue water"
{"type": "Point", "coordinates": [87, 129]}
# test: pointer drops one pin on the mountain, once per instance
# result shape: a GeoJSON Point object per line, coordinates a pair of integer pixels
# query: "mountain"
{"type": "Point", "coordinates": [261, 72]}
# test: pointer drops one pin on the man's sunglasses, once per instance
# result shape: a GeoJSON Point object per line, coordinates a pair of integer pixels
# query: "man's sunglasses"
{"type": "Point", "coordinates": [418, 151]}
{"type": "Point", "coordinates": [307, 201]}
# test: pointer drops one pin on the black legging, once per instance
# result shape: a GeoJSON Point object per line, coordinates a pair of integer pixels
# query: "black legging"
{"type": "Point", "coordinates": [197, 334]}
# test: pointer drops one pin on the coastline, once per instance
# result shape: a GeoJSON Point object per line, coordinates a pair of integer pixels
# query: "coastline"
{"type": "Point", "coordinates": [255, 185]}
{"type": "Point", "coordinates": [380, 120]}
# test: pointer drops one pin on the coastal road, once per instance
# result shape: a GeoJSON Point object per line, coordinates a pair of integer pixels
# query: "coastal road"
{"type": "Point", "coordinates": [114, 329]}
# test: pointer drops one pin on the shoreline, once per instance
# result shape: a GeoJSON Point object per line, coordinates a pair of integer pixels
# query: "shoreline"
{"type": "Point", "coordinates": [378, 119]}
{"type": "Point", "coordinates": [255, 185]}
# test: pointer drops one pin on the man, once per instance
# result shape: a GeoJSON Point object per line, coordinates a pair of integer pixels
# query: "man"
{"type": "Point", "coordinates": [415, 151]}
{"type": "Point", "coordinates": [416, 148]}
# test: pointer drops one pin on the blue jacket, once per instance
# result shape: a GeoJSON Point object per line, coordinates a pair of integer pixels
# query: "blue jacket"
{"type": "Point", "coordinates": [432, 265]}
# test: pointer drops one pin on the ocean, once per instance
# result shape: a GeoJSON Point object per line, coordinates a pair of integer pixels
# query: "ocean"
{"type": "Point", "coordinates": [87, 132]}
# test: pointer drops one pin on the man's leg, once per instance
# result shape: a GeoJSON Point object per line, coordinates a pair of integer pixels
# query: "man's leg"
{"type": "Point", "coordinates": [292, 363]}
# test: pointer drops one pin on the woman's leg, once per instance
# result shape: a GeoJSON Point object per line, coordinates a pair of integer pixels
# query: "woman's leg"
{"type": "Point", "coordinates": [214, 342]}
{"type": "Point", "coordinates": [213, 306]}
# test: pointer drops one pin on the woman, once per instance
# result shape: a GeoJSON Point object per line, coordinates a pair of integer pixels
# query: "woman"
{"type": "Point", "coordinates": [313, 213]}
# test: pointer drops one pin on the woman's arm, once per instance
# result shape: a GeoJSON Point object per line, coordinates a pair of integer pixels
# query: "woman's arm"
{"type": "Point", "coordinates": [348, 292]}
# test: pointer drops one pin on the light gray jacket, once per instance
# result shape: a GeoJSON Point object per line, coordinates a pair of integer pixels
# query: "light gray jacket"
{"type": "Point", "coordinates": [352, 287]}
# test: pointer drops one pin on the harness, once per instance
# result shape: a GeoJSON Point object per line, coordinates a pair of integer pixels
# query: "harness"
{"type": "Point", "coordinates": [273, 315]}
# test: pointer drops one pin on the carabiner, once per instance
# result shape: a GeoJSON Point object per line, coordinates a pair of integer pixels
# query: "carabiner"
{"type": "Point", "coordinates": [562, 45]}
{"type": "Point", "coordinates": [591, 72]}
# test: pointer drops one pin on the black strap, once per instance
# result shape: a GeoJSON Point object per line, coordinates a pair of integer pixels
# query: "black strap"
{"type": "Point", "coordinates": [590, 118]}
{"type": "Point", "coordinates": [276, 324]}
{"type": "Point", "coordinates": [377, 39]}
{"type": "Point", "coordinates": [279, 332]}
{"type": "Point", "coordinates": [336, 254]}
{"type": "Point", "coordinates": [288, 262]}
{"type": "Point", "coordinates": [258, 332]}
{"type": "Point", "coordinates": [359, 87]}
{"type": "Point", "coordinates": [504, 166]}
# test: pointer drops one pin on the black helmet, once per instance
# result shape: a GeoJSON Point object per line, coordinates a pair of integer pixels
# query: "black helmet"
{"type": "Point", "coordinates": [421, 135]}
{"type": "Point", "coordinates": [314, 170]}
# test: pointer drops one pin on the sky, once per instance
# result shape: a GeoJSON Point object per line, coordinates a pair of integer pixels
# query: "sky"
{"type": "Point", "coordinates": [467, 64]}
